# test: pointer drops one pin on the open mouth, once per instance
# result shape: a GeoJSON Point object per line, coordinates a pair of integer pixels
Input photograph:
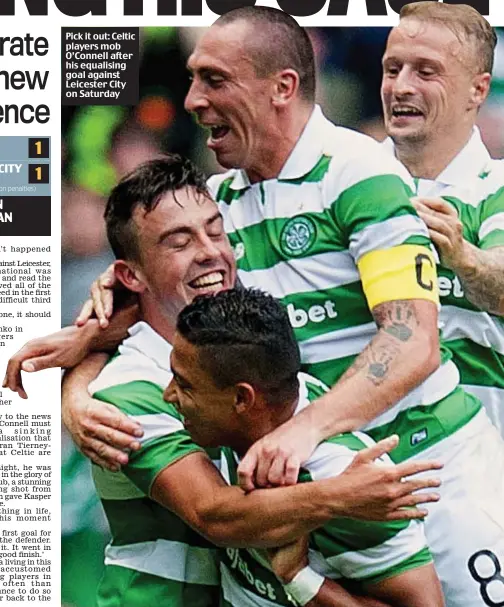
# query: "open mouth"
{"type": "Point", "coordinates": [219, 131]}
{"type": "Point", "coordinates": [405, 111]}
{"type": "Point", "coordinates": [217, 134]}
{"type": "Point", "coordinates": [209, 283]}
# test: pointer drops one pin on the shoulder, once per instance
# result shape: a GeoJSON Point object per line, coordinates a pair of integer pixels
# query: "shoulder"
{"type": "Point", "coordinates": [220, 181]}
{"type": "Point", "coordinates": [135, 378]}
{"type": "Point", "coordinates": [359, 157]}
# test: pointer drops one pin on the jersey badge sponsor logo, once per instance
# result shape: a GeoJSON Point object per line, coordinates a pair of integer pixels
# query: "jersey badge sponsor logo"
{"type": "Point", "coordinates": [239, 251]}
{"type": "Point", "coordinates": [418, 437]}
{"type": "Point", "coordinates": [318, 313]}
{"type": "Point", "coordinates": [298, 235]}
{"type": "Point", "coordinates": [449, 286]}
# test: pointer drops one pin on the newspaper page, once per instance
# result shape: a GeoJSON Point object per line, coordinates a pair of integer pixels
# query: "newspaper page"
{"type": "Point", "coordinates": [90, 90]}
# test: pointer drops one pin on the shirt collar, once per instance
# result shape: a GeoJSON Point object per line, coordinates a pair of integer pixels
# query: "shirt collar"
{"type": "Point", "coordinates": [304, 156]}
{"type": "Point", "coordinates": [472, 157]}
{"type": "Point", "coordinates": [144, 339]}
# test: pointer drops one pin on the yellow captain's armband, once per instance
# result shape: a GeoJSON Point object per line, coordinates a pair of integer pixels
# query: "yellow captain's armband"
{"type": "Point", "coordinates": [404, 272]}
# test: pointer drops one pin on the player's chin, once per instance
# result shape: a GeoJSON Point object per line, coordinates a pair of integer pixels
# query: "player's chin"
{"type": "Point", "coordinates": [199, 437]}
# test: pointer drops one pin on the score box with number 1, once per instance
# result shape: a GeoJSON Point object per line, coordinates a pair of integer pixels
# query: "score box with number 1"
{"type": "Point", "coordinates": [25, 189]}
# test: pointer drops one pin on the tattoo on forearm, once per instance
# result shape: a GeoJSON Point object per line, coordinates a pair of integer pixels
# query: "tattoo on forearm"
{"type": "Point", "coordinates": [485, 287]}
{"type": "Point", "coordinates": [397, 318]}
{"type": "Point", "coordinates": [397, 321]}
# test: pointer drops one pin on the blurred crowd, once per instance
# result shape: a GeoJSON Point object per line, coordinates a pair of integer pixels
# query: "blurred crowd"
{"type": "Point", "coordinates": [103, 143]}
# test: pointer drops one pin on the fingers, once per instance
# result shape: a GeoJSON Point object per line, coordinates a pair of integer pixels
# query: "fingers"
{"type": "Point", "coordinates": [276, 473]}
{"type": "Point", "coordinates": [246, 471]}
{"type": "Point", "coordinates": [40, 363]}
{"type": "Point", "coordinates": [292, 467]}
{"type": "Point", "coordinates": [103, 296]}
{"type": "Point", "coordinates": [111, 426]}
{"type": "Point", "coordinates": [12, 379]}
{"type": "Point", "coordinates": [15, 383]}
{"type": "Point", "coordinates": [283, 471]}
{"type": "Point", "coordinates": [414, 499]}
{"type": "Point", "coordinates": [435, 204]}
{"type": "Point", "coordinates": [433, 222]}
{"type": "Point", "coordinates": [405, 508]}
{"type": "Point", "coordinates": [264, 464]}
{"type": "Point", "coordinates": [409, 468]}
{"type": "Point", "coordinates": [113, 419]}
{"type": "Point", "coordinates": [408, 487]}
{"type": "Point", "coordinates": [381, 448]}
{"type": "Point", "coordinates": [116, 439]}
{"type": "Point", "coordinates": [407, 514]}
{"type": "Point", "coordinates": [85, 313]}
{"type": "Point", "coordinates": [104, 455]}
{"type": "Point", "coordinates": [100, 305]}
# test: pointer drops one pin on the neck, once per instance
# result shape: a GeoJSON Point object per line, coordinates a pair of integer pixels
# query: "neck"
{"type": "Point", "coordinates": [262, 421]}
{"type": "Point", "coordinates": [280, 142]}
{"type": "Point", "coordinates": [428, 159]}
{"type": "Point", "coordinates": [153, 314]}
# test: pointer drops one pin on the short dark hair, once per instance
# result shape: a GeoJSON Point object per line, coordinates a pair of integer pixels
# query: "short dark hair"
{"type": "Point", "coordinates": [144, 187]}
{"type": "Point", "coordinates": [244, 335]}
{"type": "Point", "coordinates": [464, 21]}
{"type": "Point", "coordinates": [278, 43]}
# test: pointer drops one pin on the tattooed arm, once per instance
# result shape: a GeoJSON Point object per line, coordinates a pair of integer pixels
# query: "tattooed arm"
{"type": "Point", "coordinates": [481, 274]}
{"type": "Point", "coordinates": [403, 353]}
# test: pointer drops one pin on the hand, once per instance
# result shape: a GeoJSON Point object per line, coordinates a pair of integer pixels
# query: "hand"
{"type": "Point", "coordinates": [102, 299]}
{"type": "Point", "coordinates": [101, 431]}
{"type": "Point", "coordinates": [287, 561]}
{"type": "Point", "coordinates": [64, 348]}
{"type": "Point", "coordinates": [275, 459]}
{"type": "Point", "coordinates": [383, 491]}
{"type": "Point", "coordinates": [445, 230]}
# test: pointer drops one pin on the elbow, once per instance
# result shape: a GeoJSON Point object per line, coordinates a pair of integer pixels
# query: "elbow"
{"type": "Point", "coordinates": [427, 355]}
{"type": "Point", "coordinates": [223, 533]}
{"type": "Point", "coordinates": [220, 538]}
{"type": "Point", "coordinates": [207, 524]}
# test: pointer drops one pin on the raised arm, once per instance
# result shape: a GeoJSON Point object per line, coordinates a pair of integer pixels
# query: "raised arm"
{"type": "Point", "coordinates": [480, 269]}
{"type": "Point", "coordinates": [67, 347]}
{"type": "Point", "coordinates": [403, 353]}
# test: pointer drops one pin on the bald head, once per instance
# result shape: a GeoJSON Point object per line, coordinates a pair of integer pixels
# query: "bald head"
{"type": "Point", "coordinates": [276, 42]}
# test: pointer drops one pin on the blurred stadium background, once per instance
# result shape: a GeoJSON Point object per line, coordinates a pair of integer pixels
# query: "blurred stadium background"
{"type": "Point", "coordinates": [103, 143]}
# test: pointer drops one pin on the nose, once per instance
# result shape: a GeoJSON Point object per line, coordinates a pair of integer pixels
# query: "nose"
{"type": "Point", "coordinates": [170, 393]}
{"type": "Point", "coordinates": [208, 250]}
{"type": "Point", "coordinates": [403, 83]}
{"type": "Point", "coordinates": [195, 99]}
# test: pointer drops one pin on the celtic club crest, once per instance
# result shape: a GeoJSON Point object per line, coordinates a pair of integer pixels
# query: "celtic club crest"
{"type": "Point", "coordinates": [298, 235]}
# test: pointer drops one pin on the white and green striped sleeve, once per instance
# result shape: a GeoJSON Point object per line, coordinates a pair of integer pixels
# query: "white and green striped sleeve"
{"type": "Point", "coordinates": [491, 217]}
{"type": "Point", "coordinates": [164, 441]}
{"type": "Point", "coordinates": [373, 207]}
{"type": "Point", "coordinates": [365, 551]}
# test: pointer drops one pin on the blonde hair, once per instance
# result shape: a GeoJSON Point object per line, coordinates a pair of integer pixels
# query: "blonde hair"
{"type": "Point", "coordinates": [464, 21]}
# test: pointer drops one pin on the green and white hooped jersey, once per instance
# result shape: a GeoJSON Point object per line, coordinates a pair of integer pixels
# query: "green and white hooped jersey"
{"type": "Point", "coordinates": [474, 183]}
{"type": "Point", "coordinates": [366, 552]}
{"type": "Point", "coordinates": [300, 236]}
{"type": "Point", "coordinates": [154, 558]}
{"type": "Point", "coordinates": [476, 338]}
